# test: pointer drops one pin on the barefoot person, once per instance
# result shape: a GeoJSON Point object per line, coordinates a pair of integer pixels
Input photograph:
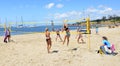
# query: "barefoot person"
{"type": "Point", "coordinates": [58, 35]}
{"type": "Point", "coordinates": [96, 29]}
{"type": "Point", "coordinates": [48, 40]}
{"type": "Point", "coordinates": [79, 36]}
{"type": "Point", "coordinates": [7, 35]}
{"type": "Point", "coordinates": [67, 36]}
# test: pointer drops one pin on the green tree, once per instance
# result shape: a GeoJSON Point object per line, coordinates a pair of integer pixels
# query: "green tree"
{"type": "Point", "coordinates": [110, 17]}
{"type": "Point", "coordinates": [104, 18]}
{"type": "Point", "coordinates": [117, 18]}
{"type": "Point", "coordinates": [114, 18]}
{"type": "Point", "coordinates": [98, 21]}
{"type": "Point", "coordinates": [78, 23]}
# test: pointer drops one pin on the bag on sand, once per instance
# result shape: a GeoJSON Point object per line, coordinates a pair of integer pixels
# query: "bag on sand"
{"type": "Point", "coordinates": [101, 50]}
{"type": "Point", "coordinates": [113, 48]}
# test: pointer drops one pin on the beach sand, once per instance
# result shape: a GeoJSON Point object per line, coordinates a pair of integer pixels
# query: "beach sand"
{"type": "Point", "coordinates": [30, 50]}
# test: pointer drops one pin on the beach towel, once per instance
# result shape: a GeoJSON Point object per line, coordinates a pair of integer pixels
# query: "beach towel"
{"type": "Point", "coordinates": [107, 50]}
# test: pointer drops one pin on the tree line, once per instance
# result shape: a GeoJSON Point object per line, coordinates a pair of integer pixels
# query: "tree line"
{"type": "Point", "coordinates": [109, 18]}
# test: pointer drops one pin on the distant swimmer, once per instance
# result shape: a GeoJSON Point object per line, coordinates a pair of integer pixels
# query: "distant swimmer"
{"type": "Point", "coordinates": [58, 35]}
{"type": "Point", "coordinates": [48, 40]}
{"type": "Point", "coordinates": [7, 35]}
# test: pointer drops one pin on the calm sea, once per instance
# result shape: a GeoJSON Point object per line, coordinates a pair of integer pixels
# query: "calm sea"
{"type": "Point", "coordinates": [25, 30]}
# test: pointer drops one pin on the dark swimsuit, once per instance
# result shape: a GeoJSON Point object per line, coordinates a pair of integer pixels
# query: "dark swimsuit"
{"type": "Point", "coordinates": [65, 27]}
{"type": "Point", "coordinates": [57, 33]}
{"type": "Point", "coordinates": [47, 38]}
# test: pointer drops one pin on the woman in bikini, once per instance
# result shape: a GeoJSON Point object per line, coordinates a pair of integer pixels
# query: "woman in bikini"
{"type": "Point", "coordinates": [48, 40]}
{"type": "Point", "coordinates": [79, 36]}
{"type": "Point", "coordinates": [67, 36]}
{"type": "Point", "coordinates": [58, 35]}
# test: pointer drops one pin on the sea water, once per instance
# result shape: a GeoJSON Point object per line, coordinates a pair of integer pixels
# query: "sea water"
{"type": "Point", "coordinates": [25, 30]}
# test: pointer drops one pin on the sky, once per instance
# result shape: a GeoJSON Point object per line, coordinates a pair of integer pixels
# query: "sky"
{"type": "Point", "coordinates": [43, 11]}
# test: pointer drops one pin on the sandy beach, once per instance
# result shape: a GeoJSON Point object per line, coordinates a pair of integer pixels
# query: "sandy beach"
{"type": "Point", "coordinates": [30, 50]}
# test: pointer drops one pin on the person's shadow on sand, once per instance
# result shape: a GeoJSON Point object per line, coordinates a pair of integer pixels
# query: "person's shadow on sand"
{"type": "Point", "coordinates": [74, 49]}
{"type": "Point", "coordinates": [114, 53]}
{"type": "Point", "coordinates": [54, 51]}
{"type": "Point", "coordinates": [82, 43]}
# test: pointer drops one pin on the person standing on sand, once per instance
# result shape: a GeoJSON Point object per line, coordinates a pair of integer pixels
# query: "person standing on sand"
{"type": "Point", "coordinates": [7, 35]}
{"type": "Point", "coordinates": [58, 35]}
{"type": "Point", "coordinates": [67, 36]}
{"type": "Point", "coordinates": [48, 40]}
{"type": "Point", "coordinates": [96, 29]}
{"type": "Point", "coordinates": [79, 36]}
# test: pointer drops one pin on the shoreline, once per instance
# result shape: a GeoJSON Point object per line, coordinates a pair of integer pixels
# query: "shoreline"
{"type": "Point", "coordinates": [23, 32]}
